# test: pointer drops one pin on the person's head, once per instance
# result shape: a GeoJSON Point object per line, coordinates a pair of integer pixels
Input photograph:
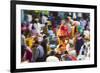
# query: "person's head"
{"type": "Point", "coordinates": [63, 21]}
{"type": "Point", "coordinates": [44, 37]}
{"type": "Point", "coordinates": [86, 35]}
{"type": "Point", "coordinates": [46, 24]}
{"type": "Point", "coordinates": [52, 53]}
{"type": "Point", "coordinates": [65, 52]}
{"type": "Point", "coordinates": [68, 20]}
{"type": "Point", "coordinates": [35, 44]}
{"type": "Point", "coordinates": [29, 18]}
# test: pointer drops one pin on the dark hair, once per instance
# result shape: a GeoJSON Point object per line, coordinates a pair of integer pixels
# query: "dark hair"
{"type": "Point", "coordinates": [60, 46]}
{"type": "Point", "coordinates": [44, 37]}
{"type": "Point", "coordinates": [46, 23]}
{"type": "Point", "coordinates": [36, 42]}
{"type": "Point", "coordinates": [35, 21]}
{"type": "Point", "coordinates": [33, 27]}
{"type": "Point", "coordinates": [52, 53]}
{"type": "Point", "coordinates": [65, 52]}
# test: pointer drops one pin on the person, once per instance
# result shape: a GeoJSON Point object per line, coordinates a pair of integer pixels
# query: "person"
{"type": "Point", "coordinates": [66, 57]}
{"type": "Point", "coordinates": [60, 49]}
{"type": "Point", "coordinates": [40, 52]}
{"type": "Point", "coordinates": [29, 39]}
{"type": "Point", "coordinates": [62, 31]}
{"type": "Point", "coordinates": [44, 45]}
{"type": "Point", "coordinates": [28, 53]}
{"type": "Point", "coordinates": [83, 23]}
{"type": "Point", "coordinates": [35, 51]}
{"type": "Point", "coordinates": [45, 29]}
{"type": "Point", "coordinates": [22, 45]}
{"type": "Point", "coordinates": [68, 24]}
{"type": "Point", "coordinates": [37, 26]}
{"type": "Point", "coordinates": [23, 28]}
{"type": "Point", "coordinates": [58, 20]}
{"type": "Point", "coordinates": [52, 57]}
{"type": "Point", "coordinates": [44, 19]}
{"type": "Point", "coordinates": [51, 18]}
{"type": "Point", "coordinates": [50, 32]}
{"type": "Point", "coordinates": [62, 34]}
{"type": "Point", "coordinates": [84, 53]}
{"type": "Point", "coordinates": [73, 29]}
{"type": "Point", "coordinates": [79, 42]}
{"type": "Point", "coordinates": [29, 22]}
{"type": "Point", "coordinates": [70, 47]}
{"type": "Point", "coordinates": [49, 49]}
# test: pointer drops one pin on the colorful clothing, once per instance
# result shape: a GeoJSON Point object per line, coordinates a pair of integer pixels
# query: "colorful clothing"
{"type": "Point", "coordinates": [29, 41]}
{"type": "Point", "coordinates": [63, 31]}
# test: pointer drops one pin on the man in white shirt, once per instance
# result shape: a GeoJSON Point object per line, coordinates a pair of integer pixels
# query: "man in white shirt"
{"type": "Point", "coordinates": [37, 26]}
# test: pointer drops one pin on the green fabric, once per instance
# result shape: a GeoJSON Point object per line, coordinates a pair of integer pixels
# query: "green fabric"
{"type": "Point", "coordinates": [80, 30]}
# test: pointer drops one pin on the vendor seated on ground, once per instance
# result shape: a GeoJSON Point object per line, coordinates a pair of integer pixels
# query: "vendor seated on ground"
{"type": "Point", "coordinates": [52, 57]}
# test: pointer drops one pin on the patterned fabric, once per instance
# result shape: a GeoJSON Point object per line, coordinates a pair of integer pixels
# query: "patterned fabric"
{"type": "Point", "coordinates": [85, 51]}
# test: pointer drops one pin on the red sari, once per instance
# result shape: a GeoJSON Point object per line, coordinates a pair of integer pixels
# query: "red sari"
{"type": "Point", "coordinates": [63, 31]}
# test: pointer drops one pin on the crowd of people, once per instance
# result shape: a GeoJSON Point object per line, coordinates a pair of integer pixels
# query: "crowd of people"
{"type": "Point", "coordinates": [52, 38]}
